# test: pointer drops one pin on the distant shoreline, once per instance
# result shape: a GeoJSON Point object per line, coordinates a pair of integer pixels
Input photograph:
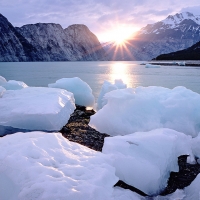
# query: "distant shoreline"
{"type": "Point", "coordinates": [190, 63]}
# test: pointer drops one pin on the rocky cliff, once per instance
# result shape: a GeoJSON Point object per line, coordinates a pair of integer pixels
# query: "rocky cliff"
{"type": "Point", "coordinates": [48, 42]}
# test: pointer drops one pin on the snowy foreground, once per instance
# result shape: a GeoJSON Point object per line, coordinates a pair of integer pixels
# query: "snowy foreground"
{"type": "Point", "coordinates": [151, 128]}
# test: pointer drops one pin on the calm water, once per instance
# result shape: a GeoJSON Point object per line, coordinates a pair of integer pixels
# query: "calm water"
{"type": "Point", "coordinates": [94, 73]}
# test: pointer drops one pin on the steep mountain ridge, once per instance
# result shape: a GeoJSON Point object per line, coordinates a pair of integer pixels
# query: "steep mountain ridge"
{"type": "Point", "coordinates": [191, 53]}
{"type": "Point", "coordinates": [13, 46]}
{"type": "Point", "coordinates": [176, 32]}
{"type": "Point", "coordinates": [48, 42]}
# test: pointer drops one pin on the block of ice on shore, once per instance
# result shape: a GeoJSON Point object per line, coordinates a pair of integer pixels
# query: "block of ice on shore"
{"type": "Point", "coordinates": [193, 190]}
{"type": "Point", "coordinates": [35, 108]}
{"type": "Point", "coordinates": [107, 87]}
{"type": "Point", "coordinates": [81, 90]}
{"type": "Point", "coordinates": [46, 166]}
{"type": "Point", "coordinates": [14, 85]}
{"type": "Point", "coordinates": [2, 80]}
{"type": "Point", "coordinates": [147, 108]}
{"type": "Point", "coordinates": [148, 65]}
{"type": "Point", "coordinates": [2, 90]}
{"type": "Point", "coordinates": [196, 147]}
{"type": "Point", "coordinates": [145, 159]}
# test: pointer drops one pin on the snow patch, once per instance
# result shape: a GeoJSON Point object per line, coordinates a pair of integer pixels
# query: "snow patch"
{"type": "Point", "coordinates": [46, 166]}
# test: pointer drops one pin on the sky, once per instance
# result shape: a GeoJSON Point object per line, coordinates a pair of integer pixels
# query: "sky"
{"type": "Point", "coordinates": [105, 18]}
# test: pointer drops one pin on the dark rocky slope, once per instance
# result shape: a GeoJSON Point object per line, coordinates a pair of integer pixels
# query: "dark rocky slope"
{"type": "Point", "coordinates": [48, 42]}
{"type": "Point", "coordinates": [191, 53]}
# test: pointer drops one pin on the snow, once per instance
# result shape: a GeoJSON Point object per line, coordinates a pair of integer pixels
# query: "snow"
{"type": "Point", "coordinates": [46, 166]}
{"type": "Point", "coordinates": [2, 80]}
{"type": "Point", "coordinates": [145, 159]}
{"type": "Point", "coordinates": [2, 90]}
{"type": "Point", "coordinates": [148, 65]}
{"type": "Point", "coordinates": [35, 108]}
{"type": "Point", "coordinates": [147, 108]}
{"type": "Point", "coordinates": [107, 87]}
{"type": "Point", "coordinates": [196, 146]}
{"type": "Point", "coordinates": [193, 190]}
{"type": "Point", "coordinates": [14, 85]}
{"type": "Point", "coordinates": [81, 90]}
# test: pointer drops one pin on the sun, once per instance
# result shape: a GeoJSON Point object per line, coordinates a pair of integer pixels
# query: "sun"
{"type": "Point", "coordinates": [118, 34]}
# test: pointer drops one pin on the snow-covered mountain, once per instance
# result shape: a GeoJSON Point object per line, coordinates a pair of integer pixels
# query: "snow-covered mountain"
{"type": "Point", "coordinates": [174, 33]}
{"type": "Point", "coordinates": [48, 42]}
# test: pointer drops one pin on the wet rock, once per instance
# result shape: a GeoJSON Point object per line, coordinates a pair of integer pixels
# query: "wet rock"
{"type": "Point", "coordinates": [78, 130]}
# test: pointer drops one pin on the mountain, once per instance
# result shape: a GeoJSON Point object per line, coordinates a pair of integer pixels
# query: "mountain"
{"type": "Point", "coordinates": [191, 53]}
{"type": "Point", "coordinates": [176, 32]}
{"type": "Point", "coordinates": [13, 46]}
{"type": "Point", "coordinates": [48, 42]}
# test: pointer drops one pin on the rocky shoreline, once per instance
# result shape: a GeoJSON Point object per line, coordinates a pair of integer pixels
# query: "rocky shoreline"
{"type": "Point", "coordinates": [78, 130]}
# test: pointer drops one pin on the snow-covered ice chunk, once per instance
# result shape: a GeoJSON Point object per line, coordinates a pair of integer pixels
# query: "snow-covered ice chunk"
{"type": "Point", "coordinates": [107, 87]}
{"type": "Point", "coordinates": [124, 194]}
{"type": "Point", "coordinates": [81, 90]}
{"type": "Point", "coordinates": [2, 80]}
{"type": "Point", "coordinates": [35, 108]}
{"type": "Point", "coordinates": [14, 85]}
{"type": "Point", "coordinates": [2, 90]}
{"type": "Point", "coordinates": [46, 166]}
{"type": "Point", "coordinates": [196, 146]}
{"type": "Point", "coordinates": [148, 65]}
{"type": "Point", "coordinates": [193, 190]}
{"type": "Point", "coordinates": [147, 108]}
{"type": "Point", "coordinates": [145, 159]}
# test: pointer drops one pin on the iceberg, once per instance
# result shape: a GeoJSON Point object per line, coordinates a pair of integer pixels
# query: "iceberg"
{"type": "Point", "coordinates": [14, 85]}
{"type": "Point", "coordinates": [2, 90]}
{"type": "Point", "coordinates": [35, 108]}
{"type": "Point", "coordinates": [145, 159]}
{"type": "Point", "coordinates": [147, 108]}
{"type": "Point", "coordinates": [46, 166]}
{"type": "Point", "coordinates": [2, 80]}
{"type": "Point", "coordinates": [108, 87]}
{"type": "Point", "coordinates": [81, 90]}
{"type": "Point", "coordinates": [148, 65]}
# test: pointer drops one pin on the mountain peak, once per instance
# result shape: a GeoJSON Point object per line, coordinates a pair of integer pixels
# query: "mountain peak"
{"type": "Point", "coordinates": [174, 20]}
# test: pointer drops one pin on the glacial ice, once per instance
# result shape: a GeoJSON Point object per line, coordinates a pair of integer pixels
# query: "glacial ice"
{"type": "Point", "coordinates": [148, 65]}
{"type": "Point", "coordinates": [196, 147]}
{"type": "Point", "coordinates": [145, 159]}
{"type": "Point", "coordinates": [14, 85]}
{"type": "Point", "coordinates": [46, 166]}
{"type": "Point", "coordinates": [35, 108]}
{"type": "Point", "coordinates": [107, 87]}
{"type": "Point", "coordinates": [193, 190]}
{"type": "Point", "coordinates": [2, 90]}
{"type": "Point", "coordinates": [147, 108]}
{"type": "Point", "coordinates": [2, 80]}
{"type": "Point", "coordinates": [81, 90]}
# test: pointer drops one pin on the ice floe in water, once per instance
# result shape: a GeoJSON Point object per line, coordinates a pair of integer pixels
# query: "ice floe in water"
{"type": "Point", "coordinates": [46, 166]}
{"type": "Point", "coordinates": [81, 90]}
{"type": "Point", "coordinates": [152, 66]}
{"type": "Point", "coordinates": [107, 87]}
{"type": "Point", "coordinates": [14, 85]}
{"type": "Point", "coordinates": [2, 80]}
{"type": "Point", "coordinates": [147, 108]}
{"type": "Point", "coordinates": [35, 108]}
{"type": "Point", "coordinates": [145, 159]}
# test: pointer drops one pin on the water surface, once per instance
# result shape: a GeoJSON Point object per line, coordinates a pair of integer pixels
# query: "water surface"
{"type": "Point", "coordinates": [94, 73]}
